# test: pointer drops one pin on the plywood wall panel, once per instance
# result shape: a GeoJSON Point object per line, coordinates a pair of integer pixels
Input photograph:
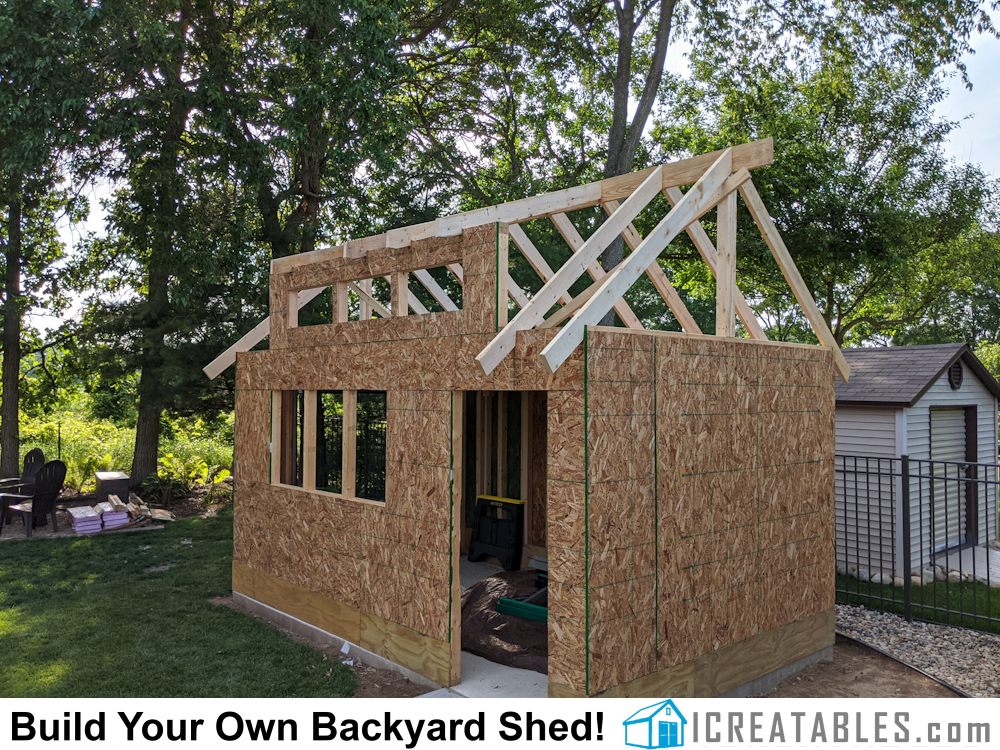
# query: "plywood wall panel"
{"type": "Point", "coordinates": [742, 451]}
{"type": "Point", "coordinates": [251, 455]}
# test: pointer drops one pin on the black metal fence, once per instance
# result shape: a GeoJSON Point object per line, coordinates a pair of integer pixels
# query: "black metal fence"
{"type": "Point", "coordinates": [918, 537]}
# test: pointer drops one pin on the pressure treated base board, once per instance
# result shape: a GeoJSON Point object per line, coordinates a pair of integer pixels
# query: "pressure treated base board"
{"type": "Point", "coordinates": [420, 653]}
{"type": "Point", "coordinates": [727, 669]}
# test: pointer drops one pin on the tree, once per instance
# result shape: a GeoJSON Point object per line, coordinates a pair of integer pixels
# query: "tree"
{"type": "Point", "coordinates": [561, 79]}
{"type": "Point", "coordinates": [43, 91]}
{"type": "Point", "coordinates": [883, 228]}
{"type": "Point", "coordinates": [235, 126]}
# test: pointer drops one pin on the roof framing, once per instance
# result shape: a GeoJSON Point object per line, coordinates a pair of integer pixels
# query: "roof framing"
{"type": "Point", "coordinates": [718, 177]}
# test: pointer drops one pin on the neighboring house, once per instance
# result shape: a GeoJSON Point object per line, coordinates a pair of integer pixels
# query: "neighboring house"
{"type": "Point", "coordinates": [659, 725]}
{"type": "Point", "coordinates": [935, 403]}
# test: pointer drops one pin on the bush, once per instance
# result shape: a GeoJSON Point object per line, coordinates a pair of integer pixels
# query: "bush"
{"type": "Point", "coordinates": [192, 451]}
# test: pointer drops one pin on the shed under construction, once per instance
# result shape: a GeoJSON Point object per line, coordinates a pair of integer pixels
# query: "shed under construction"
{"type": "Point", "coordinates": [681, 486]}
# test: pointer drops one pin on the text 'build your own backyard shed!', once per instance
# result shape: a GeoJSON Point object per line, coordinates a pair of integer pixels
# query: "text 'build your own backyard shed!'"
{"type": "Point", "coordinates": [681, 486]}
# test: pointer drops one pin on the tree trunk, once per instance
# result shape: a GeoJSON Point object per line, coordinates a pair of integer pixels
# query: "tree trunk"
{"type": "Point", "coordinates": [150, 398]}
{"type": "Point", "coordinates": [147, 427]}
{"type": "Point", "coordinates": [624, 137]}
{"type": "Point", "coordinates": [10, 447]}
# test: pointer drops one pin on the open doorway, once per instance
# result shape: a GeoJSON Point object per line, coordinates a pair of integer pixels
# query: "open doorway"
{"type": "Point", "coordinates": [504, 448]}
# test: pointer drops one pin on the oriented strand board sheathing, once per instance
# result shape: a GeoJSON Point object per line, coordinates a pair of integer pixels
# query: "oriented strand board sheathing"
{"type": "Point", "coordinates": [251, 455]}
{"type": "Point", "coordinates": [741, 507]}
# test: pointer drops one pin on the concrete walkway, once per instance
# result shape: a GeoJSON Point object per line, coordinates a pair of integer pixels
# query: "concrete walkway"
{"type": "Point", "coordinates": [983, 563]}
{"type": "Point", "coordinates": [482, 678]}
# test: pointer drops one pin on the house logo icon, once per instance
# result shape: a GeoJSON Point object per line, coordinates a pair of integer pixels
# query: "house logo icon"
{"type": "Point", "coordinates": [659, 725]}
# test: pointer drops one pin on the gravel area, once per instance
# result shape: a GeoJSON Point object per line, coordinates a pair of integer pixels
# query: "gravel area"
{"type": "Point", "coordinates": [967, 659]}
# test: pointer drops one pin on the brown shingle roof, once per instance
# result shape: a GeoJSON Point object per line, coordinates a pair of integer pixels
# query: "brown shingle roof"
{"type": "Point", "coordinates": [900, 375]}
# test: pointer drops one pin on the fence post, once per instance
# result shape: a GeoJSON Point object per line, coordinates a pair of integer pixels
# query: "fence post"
{"type": "Point", "coordinates": [907, 563]}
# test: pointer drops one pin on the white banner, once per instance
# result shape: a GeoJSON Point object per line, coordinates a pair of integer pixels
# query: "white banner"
{"type": "Point", "coordinates": [481, 723]}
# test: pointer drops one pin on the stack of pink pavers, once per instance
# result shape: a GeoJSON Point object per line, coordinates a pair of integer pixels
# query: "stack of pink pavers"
{"type": "Point", "coordinates": [111, 518]}
{"type": "Point", "coordinates": [85, 520]}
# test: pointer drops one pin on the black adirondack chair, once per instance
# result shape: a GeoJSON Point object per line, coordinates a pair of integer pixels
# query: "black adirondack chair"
{"type": "Point", "coordinates": [33, 461]}
{"type": "Point", "coordinates": [34, 509]}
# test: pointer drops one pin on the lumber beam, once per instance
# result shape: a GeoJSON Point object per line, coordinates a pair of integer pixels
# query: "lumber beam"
{"type": "Point", "coordinates": [434, 289]}
{"type": "Point", "coordinates": [309, 440]}
{"type": "Point", "coordinates": [699, 237]}
{"type": "Point", "coordinates": [349, 445]}
{"type": "Point", "coordinates": [252, 337]}
{"type": "Point", "coordinates": [534, 258]}
{"type": "Point", "coordinates": [772, 237]}
{"type": "Point", "coordinates": [725, 282]}
{"type": "Point", "coordinates": [567, 311]}
{"type": "Point", "coordinates": [367, 300]}
{"type": "Point", "coordinates": [575, 241]}
{"type": "Point", "coordinates": [716, 183]}
{"type": "Point", "coordinates": [533, 314]}
{"type": "Point", "coordinates": [683, 172]}
{"type": "Point", "coordinates": [660, 281]}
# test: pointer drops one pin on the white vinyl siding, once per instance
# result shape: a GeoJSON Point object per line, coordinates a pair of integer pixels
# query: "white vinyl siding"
{"type": "Point", "coordinates": [866, 502]}
{"type": "Point", "coordinates": [918, 444]}
{"type": "Point", "coordinates": [947, 494]}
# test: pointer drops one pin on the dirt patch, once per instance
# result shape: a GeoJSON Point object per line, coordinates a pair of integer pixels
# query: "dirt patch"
{"type": "Point", "coordinates": [372, 682]}
{"type": "Point", "coordinates": [859, 672]}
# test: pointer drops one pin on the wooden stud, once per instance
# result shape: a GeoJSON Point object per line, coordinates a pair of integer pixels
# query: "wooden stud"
{"type": "Point", "coordinates": [309, 441]}
{"type": "Point", "coordinates": [725, 282]}
{"type": "Point", "coordinates": [341, 304]}
{"type": "Point", "coordinates": [527, 400]}
{"type": "Point", "coordinates": [777, 246]}
{"type": "Point", "coordinates": [293, 310]}
{"type": "Point", "coordinates": [533, 313]}
{"type": "Point", "coordinates": [575, 242]}
{"type": "Point", "coordinates": [708, 253]}
{"type": "Point", "coordinates": [697, 200]}
{"type": "Point", "coordinates": [275, 437]}
{"type": "Point", "coordinates": [457, 505]}
{"type": "Point", "coordinates": [660, 281]}
{"type": "Point", "coordinates": [349, 471]}
{"type": "Point", "coordinates": [501, 446]}
{"type": "Point", "coordinates": [367, 302]}
{"type": "Point", "coordinates": [503, 277]}
{"type": "Point", "coordinates": [400, 287]}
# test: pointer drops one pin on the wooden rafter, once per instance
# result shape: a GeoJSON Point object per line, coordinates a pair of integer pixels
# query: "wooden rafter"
{"type": "Point", "coordinates": [700, 239]}
{"type": "Point", "coordinates": [683, 172]}
{"type": "Point", "coordinates": [575, 241]}
{"type": "Point", "coordinates": [533, 314]}
{"type": "Point", "coordinates": [777, 246]}
{"type": "Point", "coordinates": [660, 281]}
{"type": "Point", "coordinates": [714, 185]}
{"type": "Point", "coordinates": [725, 283]}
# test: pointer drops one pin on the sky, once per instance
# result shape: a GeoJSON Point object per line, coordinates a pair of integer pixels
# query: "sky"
{"type": "Point", "coordinates": [977, 138]}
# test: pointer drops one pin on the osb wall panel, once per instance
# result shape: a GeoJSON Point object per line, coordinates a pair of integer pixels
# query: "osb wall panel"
{"type": "Point", "coordinates": [565, 539]}
{"type": "Point", "coordinates": [251, 456]}
{"type": "Point", "coordinates": [389, 559]}
{"type": "Point", "coordinates": [476, 249]}
{"type": "Point", "coordinates": [709, 496]}
{"type": "Point", "coordinates": [621, 585]}
{"type": "Point", "coordinates": [442, 363]}
{"type": "Point", "coordinates": [745, 495]}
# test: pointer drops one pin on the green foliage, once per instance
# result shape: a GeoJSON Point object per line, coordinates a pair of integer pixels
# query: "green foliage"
{"type": "Point", "coordinates": [194, 451]}
{"type": "Point", "coordinates": [93, 617]}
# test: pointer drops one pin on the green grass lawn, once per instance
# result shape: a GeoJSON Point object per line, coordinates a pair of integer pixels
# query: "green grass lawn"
{"type": "Point", "coordinates": [968, 597]}
{"type": "Point", "coordinates": [80, 617]}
